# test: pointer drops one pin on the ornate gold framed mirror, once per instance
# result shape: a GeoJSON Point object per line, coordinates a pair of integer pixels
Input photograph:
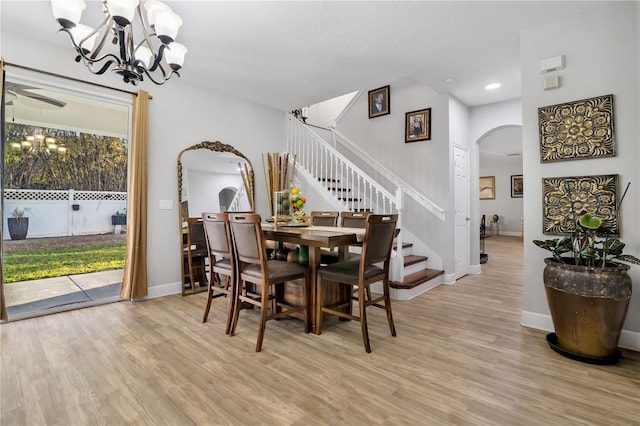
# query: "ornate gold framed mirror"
{"type": "Point", "coordinates": [212, 177]}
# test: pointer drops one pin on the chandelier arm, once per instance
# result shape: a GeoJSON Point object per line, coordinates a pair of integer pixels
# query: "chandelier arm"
{"type": "Point", "coordinates": [104, 37]}
{"type": "Point", "coordinates": [156, 62]}
{"type": "Point", "coordinates": [143, 27]}
{"type": "Point", "coordinates": [165, 76]}
{"type": "Point", "coordinates": [83, 56]}
{"type": "Point", "coordinates": [114, 59]}
{"type": "Point", "coordinates": [103, 69]}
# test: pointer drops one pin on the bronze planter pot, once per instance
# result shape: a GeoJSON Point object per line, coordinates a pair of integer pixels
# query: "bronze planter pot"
{"type": "Point", "coordinates": [588, 307]}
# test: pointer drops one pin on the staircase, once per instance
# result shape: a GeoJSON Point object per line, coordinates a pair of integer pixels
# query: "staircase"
{"type": "Point", "coordinates": [346, 187]}
{"type": "Point", "coordinates": [417, 279]}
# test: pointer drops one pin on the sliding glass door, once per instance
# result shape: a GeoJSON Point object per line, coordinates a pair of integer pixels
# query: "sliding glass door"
{"type": "Point", "coordinates": [65, 194]}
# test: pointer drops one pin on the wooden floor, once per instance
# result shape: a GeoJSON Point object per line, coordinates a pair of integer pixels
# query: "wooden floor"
{"type": "Point", "coordinates": [460, 358]}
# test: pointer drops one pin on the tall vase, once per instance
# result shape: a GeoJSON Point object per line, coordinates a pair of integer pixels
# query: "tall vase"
{"type": "Point", "coordinates": [281, 206]}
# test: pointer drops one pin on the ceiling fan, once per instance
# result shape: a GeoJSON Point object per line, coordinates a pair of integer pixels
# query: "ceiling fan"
{"type": "Point", "coordinates": [15, 91]}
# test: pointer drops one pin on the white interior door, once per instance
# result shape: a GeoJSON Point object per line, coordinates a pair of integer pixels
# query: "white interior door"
{"type": "Point", "coordinates": [461, 206]}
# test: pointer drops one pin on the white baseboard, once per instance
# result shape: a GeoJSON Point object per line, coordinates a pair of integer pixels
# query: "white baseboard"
{"type": "Point", "coordinates": [161, 291]}
{"type": "Point", "coordinates": [628, 339]}
{"type": "Point", "coordinates": [475, 269]}
{"type": "Point", "coordinates": [507, 234]}
{"type": "Point", "coordinates": [449, 279]}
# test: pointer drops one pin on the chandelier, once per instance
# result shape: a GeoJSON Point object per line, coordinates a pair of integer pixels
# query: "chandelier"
{"type": "Point", "coordinates": [39, 142]}
{"type": "Point", "coordinates": [133, 60]}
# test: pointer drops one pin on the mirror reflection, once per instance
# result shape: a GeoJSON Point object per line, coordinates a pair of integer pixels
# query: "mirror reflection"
{"type": "Point", "coordinates": [212, 177]}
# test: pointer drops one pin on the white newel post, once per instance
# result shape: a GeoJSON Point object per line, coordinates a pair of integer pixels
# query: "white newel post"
{"type": "Point", "coordinates": [396, 272]}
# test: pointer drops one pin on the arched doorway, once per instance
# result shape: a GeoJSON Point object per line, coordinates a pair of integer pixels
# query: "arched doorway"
{"type": "Point", "coordinates": [225, 197]}
{"type": "Point", "coordinates": [500, 164]}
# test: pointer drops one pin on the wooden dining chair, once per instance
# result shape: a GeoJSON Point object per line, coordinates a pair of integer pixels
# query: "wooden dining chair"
{"type": "Point", "coordinates": [221, 262]}
{"type": "Point", "coordinates": [324, 218]}
{"type": "Point", "coordinates": [350, 219]}
{"type": "Point", "coordinates": [266, 275]}
{"type": "Point", "coordinates": [196, 252]}
{"type": "Point", "coordinates": [360, 274]}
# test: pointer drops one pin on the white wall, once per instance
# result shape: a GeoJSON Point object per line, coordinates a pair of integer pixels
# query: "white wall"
{"type": "Point", "coordinates": [323, 114]}
{"type": "Point", "coordinates": [602, 57]}
{"type": "Point", "coordinates": [423, 165]}
{"type": "Point", "coordinates": [180, 115]}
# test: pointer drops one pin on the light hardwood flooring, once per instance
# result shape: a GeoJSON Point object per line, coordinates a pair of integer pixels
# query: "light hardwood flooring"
{"type": "Point", "coordinates": [460, 358]}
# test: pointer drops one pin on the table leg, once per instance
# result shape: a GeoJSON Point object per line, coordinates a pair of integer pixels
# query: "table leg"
{"type": "Point", "coordinates": [314, 263]}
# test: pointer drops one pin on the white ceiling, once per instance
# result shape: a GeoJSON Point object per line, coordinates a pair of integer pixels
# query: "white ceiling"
{"type": "Point", "coordinates": [290, 54]}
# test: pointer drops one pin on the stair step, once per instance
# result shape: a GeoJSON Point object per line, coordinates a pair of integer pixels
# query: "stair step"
{"type": "Point", "coordinates": [415, 279]}
{"type": "Point", "coordinates": [404, 246]}
{"type": "Point", "coordinates": [350, 199]}
{"type": "Point", "coordinates": [412, 259]}
{"type": "Point", "coordinates": [337, 189]}
{"type": "Point", "coordinates": [328, 180]}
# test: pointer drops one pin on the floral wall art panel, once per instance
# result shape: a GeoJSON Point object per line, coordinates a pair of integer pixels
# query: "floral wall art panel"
{"type": "Point", "coordinates": [577, 130]}
{"type": "Point", "coordinates": [564, 196]}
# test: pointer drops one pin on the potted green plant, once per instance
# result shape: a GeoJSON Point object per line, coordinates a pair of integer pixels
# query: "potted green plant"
{"type": "Point", "coordinates": [119, 217]}
{"type": "Point", "coordinates": [588, 290]}
{"type": "Point", "coordinates": [18, 223]}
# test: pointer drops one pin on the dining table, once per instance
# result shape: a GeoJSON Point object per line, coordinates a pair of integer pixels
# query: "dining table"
{"type": "Point", "coordinates": [317, 238]}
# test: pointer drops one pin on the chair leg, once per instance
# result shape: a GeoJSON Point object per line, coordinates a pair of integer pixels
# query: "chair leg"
{"type": "Point", "coordinates": [387, 306]}
{"type": "Point", "coordinates": [363, 318]}
{"type": "Point", "coordinates": [191, 274]}
{"type": "Point", "coordinates": [212, 282]}
{"type": "Point", "coordinates": [232, 303]}
{"type": "Point", "coordinates": [209, 297]}
{"type": "Point", "coordinates": [264, 307]}
{"type": "Point", "coordinates": [236, 307]}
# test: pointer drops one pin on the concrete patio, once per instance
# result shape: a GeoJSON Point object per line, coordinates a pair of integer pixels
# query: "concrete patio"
{"type": "Point", "coordinates": [36, 296]}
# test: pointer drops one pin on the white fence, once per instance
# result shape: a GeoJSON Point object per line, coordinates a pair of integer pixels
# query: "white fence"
{"type": "Point", "coordinates": [52, 213]}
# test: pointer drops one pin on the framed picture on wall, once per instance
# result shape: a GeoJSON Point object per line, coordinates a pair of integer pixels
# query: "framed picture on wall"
{"type": "Point", "coordinates": [487, 187]}
{"type": "Point", "coordinates": [417, 126]}
{"type": "Point", "coordinates": [516, 186]}
{"type": "Point", "coordinates": [379, 102]}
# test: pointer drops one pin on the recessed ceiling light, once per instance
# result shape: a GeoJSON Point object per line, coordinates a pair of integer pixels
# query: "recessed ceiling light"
{"type": "Point", "coordinates": [449, 80]}
{"type": "Point", "coordinates": [492, 86]}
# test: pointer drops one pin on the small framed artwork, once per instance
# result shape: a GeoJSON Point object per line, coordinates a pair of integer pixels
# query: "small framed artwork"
{"type": "Point", "coordinates": [379, 102]}
{"type": "Point", "coordinates": [516, 186]}
{"type": "Point", "coordinates": [417, 126]}
{"type": "Point", "coordinates": [487, 187]}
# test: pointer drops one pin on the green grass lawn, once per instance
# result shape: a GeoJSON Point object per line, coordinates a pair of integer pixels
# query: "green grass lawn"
{"type": "Point", "coordinates": [27, 265]}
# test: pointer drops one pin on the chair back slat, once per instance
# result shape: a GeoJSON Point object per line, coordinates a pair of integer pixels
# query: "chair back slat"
{"type": "Point", "coordinates": [354, 219]}
{"type": "Point", "coordinates": [324, 218]}
{"type": "Point", "coordinates": [218, 234]}
{"type": "Point", "coordinates": [378, 238]}
{"type": "Point", "coordinates": [247, 237]}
